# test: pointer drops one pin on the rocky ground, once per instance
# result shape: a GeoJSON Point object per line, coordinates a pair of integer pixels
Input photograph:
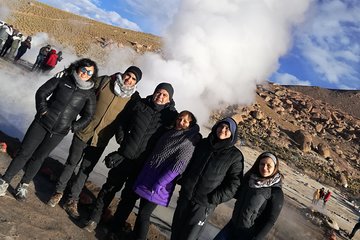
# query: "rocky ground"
{"type": "Point", "coordinates": [299, 219]}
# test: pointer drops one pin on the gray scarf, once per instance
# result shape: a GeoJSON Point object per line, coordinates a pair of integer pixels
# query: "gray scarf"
{"type": "Point", "coordinates": [259, 182]}
{"type": "Point", "coordinates": [121, 89]}
{"type": "Point", "coordinates": [85, 85]}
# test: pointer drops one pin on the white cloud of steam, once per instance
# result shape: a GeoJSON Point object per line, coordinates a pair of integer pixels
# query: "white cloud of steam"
{"type": "Point", "coordinates": [217, 53]}
{"type": "Point", "coordinates": [4, 12]}
{"type": "Point", "coordinates": [288, 79]}
{"type": "Point", "coordinates": [91, 9]}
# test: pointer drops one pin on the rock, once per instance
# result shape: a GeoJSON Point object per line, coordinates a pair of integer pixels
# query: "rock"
{"type": "Point", "coordinates": [319, 127]}
{"type": "Point", "coordinates": [343, 180]}
{"type": "Point", "coordinates": [324, 150]}
{"type": "Point", "coordinates": [304, 140]}
{"type": "Point", "coordinates": [332, 224]}
{"type": "Point", "coordinates": [257, 114]}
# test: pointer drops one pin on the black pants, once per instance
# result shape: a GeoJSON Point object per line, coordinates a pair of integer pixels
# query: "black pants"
{"type": "Point", "coordinates": [189, 219]}
{"type": "Point", "coordinates": [142, 222]}
{"type": "Point", "coordinates": [356, 227]}
{"type": "Point", "coordinates": [75, 154]}
{"type": "Point", "coordinates": [4, 49]}
{"type": "Point", "coordinates": [36, 146]}
{"type": "Point", "coordinates": [20, 53]}
{"type": "Point", "coordinates": [91, 157]}
{"type": "Point", "coordinates": [126, 204]}
{"type": "Point", "coordinates": [114, 183]}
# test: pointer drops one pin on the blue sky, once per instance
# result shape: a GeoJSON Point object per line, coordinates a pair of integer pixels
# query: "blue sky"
{"type": "Point", "coordinates": [324, 51]}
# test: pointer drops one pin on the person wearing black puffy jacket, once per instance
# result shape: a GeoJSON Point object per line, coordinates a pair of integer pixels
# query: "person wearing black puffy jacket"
{"type": "Point", "coordinates": [140, 125]}
{"type": "Point", "coordinates": [58, 103]}
{"type": "Point", "coordinates": [212, 177]}
{"type": "Point", "coordinates": [259, 201]}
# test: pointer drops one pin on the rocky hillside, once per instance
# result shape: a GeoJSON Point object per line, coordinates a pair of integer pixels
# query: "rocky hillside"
{"type": "Point", "coordinates": [310, 134]}
{"type": "Point", "coordinates": [31, 17]}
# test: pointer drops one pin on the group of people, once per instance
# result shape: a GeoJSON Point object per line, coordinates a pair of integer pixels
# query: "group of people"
{"type": "Point", "coordinates": [158, 148]}
{"type": "Point", "coordinates": [13, 40]}
{"type": "Point", "coordinates": [321, 194]}
{"type": "Point", "coordinates": [47, 59]}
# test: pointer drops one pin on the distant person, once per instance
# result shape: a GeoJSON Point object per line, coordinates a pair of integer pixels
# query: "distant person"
{"type": "Point", "coordinates": [15, 44]}
{"type": "Point", "coordinates": [8, 43]}
{"type": "Point", "coordinates": [60, 56]}
{"type": "Point", "coordinates": [25, 45]}
{"type": "Point", "coordinates": [326, 198]}
{"type": "Point", "coordinates": [316, 197]}
{"type": "Point", "coordinates": [58, 103]}
{"type": "Point", "coordinates": [212, 177]}
{"type": "Point", "coordinates": [5, 31]}
{"type": "Point", "coordinates": [50, 61]}
{"type": "Point", "coordinates": [141, 124]}
{"type": "Point", "coordinates": [43, 52]}
{"type": "Point", "coordinates": [322, 193]}
{"type": "Point", "coordinates": [168, 160]}
{"type": "Point", "coordinates": [355, 229]}
{"type": "Point", "coordinates": [113, 93]}
{"type": "Point", "coordinates": [258, 202]}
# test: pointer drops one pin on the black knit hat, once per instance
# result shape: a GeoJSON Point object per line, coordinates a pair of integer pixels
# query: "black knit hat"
{"type": "Point", "coordinates": [135, 70]}
{"type": "Point", "coordinates": [167, 87]}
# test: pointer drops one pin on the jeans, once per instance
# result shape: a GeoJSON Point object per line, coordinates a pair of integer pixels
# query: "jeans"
{"type": "Point", "coordinates": [142, 222]}
{"type": "Point", "coordinates": [36, 146]}
{"type": "Point", "coordinates": [75, 153]}
{"type": "Point", "coordinates": [91, 157]}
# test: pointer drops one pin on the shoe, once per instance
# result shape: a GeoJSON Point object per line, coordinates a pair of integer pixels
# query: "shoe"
{"type": "Point", "coordinates": [22, 191]}
{"type": "Point", "coordinates": [3, 187]}
{"type": "Point", "coordinates": [71, 207]}
{"type": "Point", "coordinates": [90, 226]}
{"type": "Point", "coordinates": [55, 199]}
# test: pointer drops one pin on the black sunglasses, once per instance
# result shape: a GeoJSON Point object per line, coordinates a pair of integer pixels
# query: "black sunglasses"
{"type": "Point", "coordinates": [88, 72]}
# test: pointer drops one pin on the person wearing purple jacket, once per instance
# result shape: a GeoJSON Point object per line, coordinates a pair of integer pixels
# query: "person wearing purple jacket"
{"type": "Point", "coordinates": [156, 182]}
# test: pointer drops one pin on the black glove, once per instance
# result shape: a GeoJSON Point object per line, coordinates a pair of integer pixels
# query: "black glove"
{"type": "Point", "coordinates": [113, 159]}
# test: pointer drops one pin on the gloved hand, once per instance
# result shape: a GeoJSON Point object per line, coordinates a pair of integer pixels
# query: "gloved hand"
{"type": "Point", "coordinates": [113, 159]}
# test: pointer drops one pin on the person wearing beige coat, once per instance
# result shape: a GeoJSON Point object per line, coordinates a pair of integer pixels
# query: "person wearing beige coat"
{"type": "Point", "coordinates": [113, 93]}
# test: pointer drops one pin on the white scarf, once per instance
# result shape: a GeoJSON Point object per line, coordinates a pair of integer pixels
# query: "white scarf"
{"type": "Point", "coordinates": [258, 182]}
{"type": "Point", "coordinates": [121, 89]}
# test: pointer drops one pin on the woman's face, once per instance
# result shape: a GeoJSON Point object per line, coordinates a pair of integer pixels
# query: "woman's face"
{"type": "Point", "coordinates": [266, 167]}
{"type": "Point", "coordinates": [223, 131]}
{"type": "Point", "coordinates": [183, 122]}
{"type": "Point", "coordinates": [85, 73]}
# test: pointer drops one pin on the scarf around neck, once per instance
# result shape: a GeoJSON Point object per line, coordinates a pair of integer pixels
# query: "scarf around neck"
{"type": "Point", "coordinates": [259, 182]}
{"type": "Point", "coordinates": [121, 89]}
{"type": "Point", "coordinates": [85, 85]}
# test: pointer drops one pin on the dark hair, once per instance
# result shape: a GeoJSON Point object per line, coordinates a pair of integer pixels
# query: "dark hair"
{"type": "Point", "coordinates": [255, 167]}
{"type": "Point", "coordinates": [84, 62]}
{"type": "Point", "coordinates": [188, 113]}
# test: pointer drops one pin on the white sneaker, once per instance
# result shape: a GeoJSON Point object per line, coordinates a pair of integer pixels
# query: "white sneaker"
{"type": "Point", "coordinates": [21, 191]}
{"type": "Point", "coordinates": [3, 187]}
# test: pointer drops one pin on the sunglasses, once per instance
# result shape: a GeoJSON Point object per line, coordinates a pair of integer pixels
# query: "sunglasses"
{"type": "Point", "coordinates": [88, 72]}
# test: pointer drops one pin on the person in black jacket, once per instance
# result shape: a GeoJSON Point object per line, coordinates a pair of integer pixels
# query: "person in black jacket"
{"type": "Point", "coordinates": [58, 103]}
{"type": "Point", "coordinates": [141, 124]}
{"type": "Point", "coordinates": [212, 177]}
{"type": "Point", "coordinates": [259, 201]}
